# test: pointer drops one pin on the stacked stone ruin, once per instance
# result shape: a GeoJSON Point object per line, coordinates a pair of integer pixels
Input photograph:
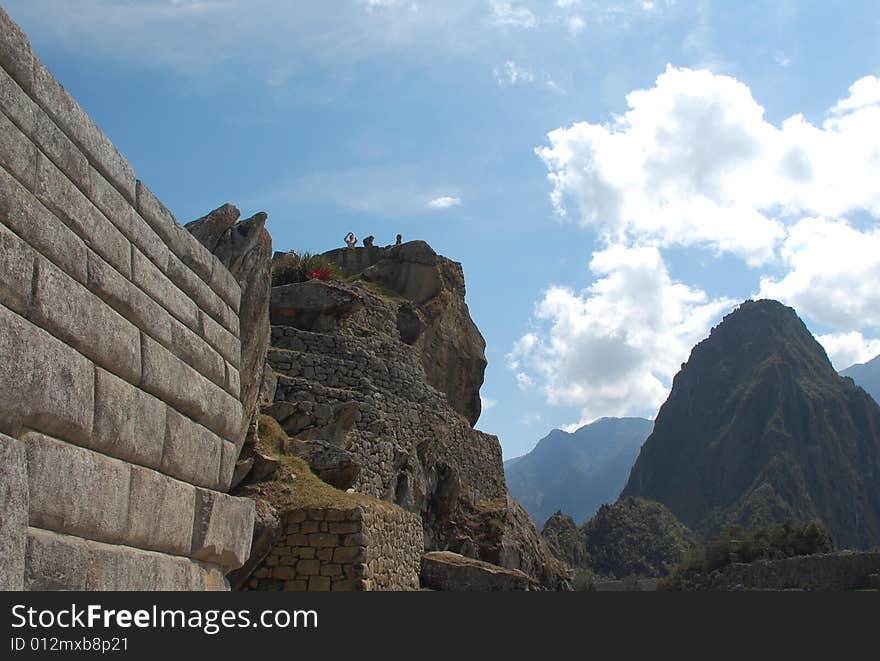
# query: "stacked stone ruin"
{"type": "Point", "coordinates": [120, 415]}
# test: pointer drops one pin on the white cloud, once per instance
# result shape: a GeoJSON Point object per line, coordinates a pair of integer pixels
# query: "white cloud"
{"type": "Point", "coordinates": [444, 202]}
{"type": "Point", "coordinates": [863, 93]}
{"type": "Point", "coordinates": [513, 14]}
{"type": "Point", "coordinates": [613, 348]}
{"type": "Point", "coordinates": [487, 403]}
{"type": "Point", "coordinates": [511, 74]}
{"type": "Point", "coordinates": [834, 271]}
{"type": "Point", "coordinates": [576, 24]}
{"type": "Point", "coordinates": [847, 349]}
{"type": "Point", "coordinates": [694, 162]}
{"type": "Point", "coordinates": [524, 381]}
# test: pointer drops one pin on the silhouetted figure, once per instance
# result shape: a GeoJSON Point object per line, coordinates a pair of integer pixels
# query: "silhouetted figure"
{"type": "Point", "coordinates": [368, 242]}
{"type": "Point", "coordinates": [399, 240]}
{"type": "Point", "coordinates": [351, 240]}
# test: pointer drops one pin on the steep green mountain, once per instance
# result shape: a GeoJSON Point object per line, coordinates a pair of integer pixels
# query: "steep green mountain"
{"type": "Point", "coordinates": [759, 429]}
{"type": "Point", "coordinates": [866, 375]}
{"type": "Point", "coordinates": [631, 537]}
{"type": "Point", "coordinates": [576, 472]}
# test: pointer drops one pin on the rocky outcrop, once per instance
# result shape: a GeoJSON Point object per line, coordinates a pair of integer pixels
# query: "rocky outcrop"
{"type": "Point", "coordinates": [759, 429]}
{"type": "Point", "coordinates": [245, 248]}
{"type": "Point", "coordinates": [566, 540]}
{"type": "Point", "coordinates": [451, 572]}
{"type": "Point", "coordinates": [433, 318]}
{"type": "Point", "coordinates": [349, 376]}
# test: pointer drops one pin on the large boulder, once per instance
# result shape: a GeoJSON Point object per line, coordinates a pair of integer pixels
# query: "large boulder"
{"type": "Point", "coordinates": [446, 571]}
{"type": "Point", "coordinates": [313, 306]}
{"type": "Point", "coordinates": [245, 248]}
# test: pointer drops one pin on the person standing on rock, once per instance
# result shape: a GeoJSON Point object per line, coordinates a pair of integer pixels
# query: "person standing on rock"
{"type": "Point", "coordinates": [368, 242]}
{"type": "Point", "coordinates": [351, 240]}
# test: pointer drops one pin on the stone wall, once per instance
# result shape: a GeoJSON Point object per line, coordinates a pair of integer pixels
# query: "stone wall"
{"type": "Point", "coordinates": [363, 548]}
{"type": "Point", "coordinates": [844, 570]}
{"type": "Point", "coordinates": [120, 414]}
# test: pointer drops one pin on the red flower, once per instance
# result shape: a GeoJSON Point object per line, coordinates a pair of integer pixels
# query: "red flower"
{"type": "Point", "coordinates": [320, 274]}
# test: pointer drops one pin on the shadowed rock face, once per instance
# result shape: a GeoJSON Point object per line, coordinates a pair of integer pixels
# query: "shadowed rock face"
{"type": "Point", "coordinates": [432, 317]}
{"type": "Point", "coordinates": [760, 429]}
{"type": "Point", "coordinates": [395, 372]}
{"type": "Point", "coordinates": [866, 375]}
{"type": "Point", "coordinates": [246, 250]}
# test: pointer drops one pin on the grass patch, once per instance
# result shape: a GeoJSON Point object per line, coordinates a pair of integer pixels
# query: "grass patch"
{"type": "Point", "coordinates": [294, 267]}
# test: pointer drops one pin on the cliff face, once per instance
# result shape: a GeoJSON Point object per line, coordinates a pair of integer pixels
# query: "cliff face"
{"type": "Point", "coordinates": [351, 363]}
{"type": "Point", "coordinates": [866, 375]}
{"type": "Point", "coordinates": [760, 429]}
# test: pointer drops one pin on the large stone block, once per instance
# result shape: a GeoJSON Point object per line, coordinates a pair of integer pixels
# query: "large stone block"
{"type": "Point", "coordinates": [160, 514]}
{"type": "Point", "coordinates": [158, 217]}
{"type": "Point", "coordinates": [228, 458]}
{"type": "Point", "coordinates": [233, 381]}
{"type": "Point", "coordinates": [196, 352]}
{"type": "Point", "coordinates": [192, 452]}
{"type": "Point", "coordinates": [15, 52]}
{"type": "Point", "coordinates": [17, 105]}
{"type": "Point", "coordinates": [148, 277]}
{"type": "Point", "coordinates": [17, 154]}
{"type": "Point", "coordinates": [224, 283]}
{"type": "Point", "coordinates": [56, 562]}
{"type": "Point", "coordinates": [197, 289]}
{"type": "Point", "coordinates": [44, 384]}
{"type": "Point", "coordinates": [16, 271]}
{"type": "Point", "coordinates": [73, 120]}
{"type": "Point", "coordinates": [129, 423]}
{"type": "Point", "coordinates": [13, 513]}
{"type": "Point", "coordinates": [120, 212]}
{"type": "Point", "coordinates": [222, 530]}
{"type": "Point", "coordinates": [122, 568]}
{"type": "Point", "coordinates": [129, 300]}
{"type": "Point", "coordinates": [26, 216]}
{"type": "Point", "coordinates": [68, 203]}
{"type": "Point", "coordinates": [173, 381]}
{"type": "Point", "coordinates": [73, 313]}
{"type": "Point", "coordinates": [227, 344]}
{"type": "Point", "coordinates": [76, 491]}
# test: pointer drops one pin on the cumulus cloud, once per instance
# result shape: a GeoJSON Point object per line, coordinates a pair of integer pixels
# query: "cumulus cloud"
{"type": "Point", "coordinates": [833, 273]}
{"type": "Point", "coordinates": [613, 348]}
{"type": "Point", "coordinates": [862, 93]}
{"type": "Point", "coordinates": [847, 349]}
{"type": "Point", "coordinates": [444, 202]}
{"type": "Point", "coordinates": [694, 162]}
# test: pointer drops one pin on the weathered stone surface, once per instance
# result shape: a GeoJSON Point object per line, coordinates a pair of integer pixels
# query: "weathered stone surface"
{"type": "Point", "coordinates": [148, 277]}
{"type": "Point", "coordinates": [228, 467]}
{"type": "Point", "coordinates": [222, 529]}
{"type": "Point", "coordinates": [160, 515]}
{"type": "Point", "coordinates": [122, 214]}
{"type": "Point", "coordinates": [13, 513]}
{"type": "Point", "coordinates": [267, 532]}
{"type": "Point", "coordinates": [68, 115]}
{"type": "Point", "coordinates": [56, 562]}
{"type": "Point", "coordinates": [76, 491]}
{"type": "Point", "coordinates": [170, 379]}
{"type": "Point", "coordinates": [70, 311]}
{"type": "Point", "coordinates": [16, 104]}
{"type": "Point", "coordinates": [15, 51]}
{"type": "Point", "coordinates": [69, 204]}
{"type": "Point", "coordinates": [245, 249]}
{"type": "Point", "coordinates": [194, 351]}
{"type": "Point", "coordinates": [74, 314]}
{"type": "Point", "coordinates": [192, 452]}
{"type": "Point", "coordinates": [332, 464]}
{"type": "Point", "coordinates": [313, 306]}
{"type": "Point", "coordinates": [16, 272]}
{"type": "Point", "coordinates": [442, 570]}
{"type": "Point", "coordinates": [44, 384]}
{"type": "Point", "coordinates": [198, 290]}
{"type": "Point", "coordinates": [26, 216]}
{"type": "Point", "coordinates": [129, 423]}
{"type": "Point", "coordinates": [17, 155]}
{"type": "Point", "coordinates": [226, 344]}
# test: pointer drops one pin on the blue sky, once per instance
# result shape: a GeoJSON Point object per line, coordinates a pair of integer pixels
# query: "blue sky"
{"type": "Point", "coordinates": [613, 176]}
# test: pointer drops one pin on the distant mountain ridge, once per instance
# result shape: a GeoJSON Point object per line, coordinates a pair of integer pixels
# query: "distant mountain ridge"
{"type": "Point", "coordinates": [579, 471]}
{"type": "Point", "coordinates": [866, 375]}
{"type": "Point", "coordinates": [760, 429]}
